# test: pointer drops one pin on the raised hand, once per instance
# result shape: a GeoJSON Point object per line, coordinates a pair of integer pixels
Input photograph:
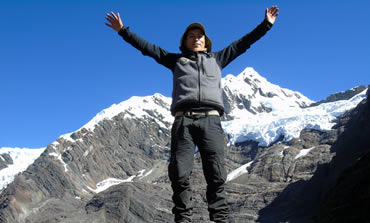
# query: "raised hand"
{"type": "Point", "coordinates": [271, 14]}
{"type": "Point", "coordinates": [115, 21]}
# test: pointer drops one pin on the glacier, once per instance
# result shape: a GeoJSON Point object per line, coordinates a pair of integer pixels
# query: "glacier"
{"type": "Point", "coordinates": [266, 128]}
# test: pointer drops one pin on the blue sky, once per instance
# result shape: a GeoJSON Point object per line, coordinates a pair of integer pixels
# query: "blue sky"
{"type": "Point", "coordinates": [60, 65]}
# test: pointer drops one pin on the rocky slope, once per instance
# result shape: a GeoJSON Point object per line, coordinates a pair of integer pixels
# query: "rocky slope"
{"type": "Point", "coordinates": [341, 95]}
{"type": "Point", "coordinates": [5, 160]}
{"type": "Point", "coordinates": [14, 161]}
{"type": "Point", "coordinates": [339, 190]}
{"type": "Point", "coordinates": [114, 169]}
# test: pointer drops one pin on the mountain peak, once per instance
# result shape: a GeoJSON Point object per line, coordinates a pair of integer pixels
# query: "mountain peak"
{"type": "Point", "coordinates": [137, 107]}
{"type": "Point", "coordinates": [251, 92]}
{"type": "Point", "coordinates": [133, 107]}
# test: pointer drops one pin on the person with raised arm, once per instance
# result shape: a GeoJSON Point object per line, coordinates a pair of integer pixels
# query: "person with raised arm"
{"type": "Point", "coordinates": [197, 106]}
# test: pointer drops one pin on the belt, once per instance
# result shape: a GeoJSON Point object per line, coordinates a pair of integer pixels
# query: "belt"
{"type": "Point", "coordinates": [197, 113]}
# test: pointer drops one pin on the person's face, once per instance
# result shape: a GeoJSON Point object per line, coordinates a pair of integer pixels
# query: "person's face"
{"type": "Point", "coordinates": [195, 40]}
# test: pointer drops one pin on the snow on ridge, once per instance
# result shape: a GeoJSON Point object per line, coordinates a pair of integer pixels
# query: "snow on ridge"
{"type": "Point", "coordinates": [238, 172]}
{"type": "Point", "coordinates": [266, 128]}
{"type": "Point", "coordinates": [261, 92]}
{"type": "Point", "coordinates": [59, 157]}
{"type": "Point", "coordinates": [107, 183]}
{"type": "Point", "coordinates": [303, 152]}
{"type": "Point", "coordinates": [135, 107]}
{"type": "Point", "coordinates": [22, 158]}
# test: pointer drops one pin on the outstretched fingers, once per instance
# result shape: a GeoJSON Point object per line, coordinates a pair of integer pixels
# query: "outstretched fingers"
{"type": "Point", "coordinates": [271, 14]}
{"type": "Point", "coordinates": [114, 20]}
{"type": "Point", "coordinates": [111, 17]}
{"type": "Point", "coordinates": [114, 16]}
{"type": "Point", "coordinates": [273, 10]}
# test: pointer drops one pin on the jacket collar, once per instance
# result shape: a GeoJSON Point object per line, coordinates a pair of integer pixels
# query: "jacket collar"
{"type": "Point", "coordinates": [191, 54]}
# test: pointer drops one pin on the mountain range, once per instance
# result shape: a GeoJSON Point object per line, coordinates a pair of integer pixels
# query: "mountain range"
{"type": "Point", "coordinates": [284, 155]}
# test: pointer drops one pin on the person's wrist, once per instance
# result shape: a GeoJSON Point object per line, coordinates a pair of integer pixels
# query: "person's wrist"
{"type": "Point", "coordinates": [120, 28]}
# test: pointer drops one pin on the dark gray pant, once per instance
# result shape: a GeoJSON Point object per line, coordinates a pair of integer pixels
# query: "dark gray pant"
{"type": "Point", "coordinates": [206, 133]}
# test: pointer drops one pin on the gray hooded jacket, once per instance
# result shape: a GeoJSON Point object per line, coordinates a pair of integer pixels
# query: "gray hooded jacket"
{"type": "Point", "coordinates": [196, 75]}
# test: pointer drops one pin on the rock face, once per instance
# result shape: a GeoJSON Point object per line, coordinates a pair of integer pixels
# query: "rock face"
{"type": "Point", "coordinates": [284, 182]}
{"type": "Point", "coordinates": [5, 160]}
{"type": "Point", "coordinates": [66, 175]}
{"type": "Point", "coordinates": [347, 197]}
{"type": "Point", "coordinates": [339, 190]}
{"type": "Point", "coordinates": [341, 95]}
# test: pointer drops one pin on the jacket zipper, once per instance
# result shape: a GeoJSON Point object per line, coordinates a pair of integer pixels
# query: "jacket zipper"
{"type": "Point", "coordinates": [198, 78]}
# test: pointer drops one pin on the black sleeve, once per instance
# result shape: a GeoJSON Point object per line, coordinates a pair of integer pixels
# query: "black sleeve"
{"type": "Point", "coordinates": [148, 49]}
{"type": "Point", "coordinates": [238, 47]}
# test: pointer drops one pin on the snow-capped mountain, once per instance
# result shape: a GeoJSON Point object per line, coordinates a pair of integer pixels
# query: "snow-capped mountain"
{"type": "Point", "coordinates": [156, 107]}
{"type": "Point", "coordinates": [249, 92]}
{"type": "Point", "coordinates": [267, 128]}
{"type": "Point", "coordinates": [15, 160]}
{"type": "Point", "coordinates": [256, 110]}
{"type": "Point", "coordinates": [263, 112]}
{"type": "Point", "coordinates": [120, 157]}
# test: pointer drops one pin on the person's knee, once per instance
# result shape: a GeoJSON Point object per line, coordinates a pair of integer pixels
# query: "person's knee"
{"type": "Point", "coordinates": [180, 175]}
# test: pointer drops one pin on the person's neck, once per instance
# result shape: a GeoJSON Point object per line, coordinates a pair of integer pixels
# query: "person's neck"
{"type": "Point", "coordinates": [194, 52]}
